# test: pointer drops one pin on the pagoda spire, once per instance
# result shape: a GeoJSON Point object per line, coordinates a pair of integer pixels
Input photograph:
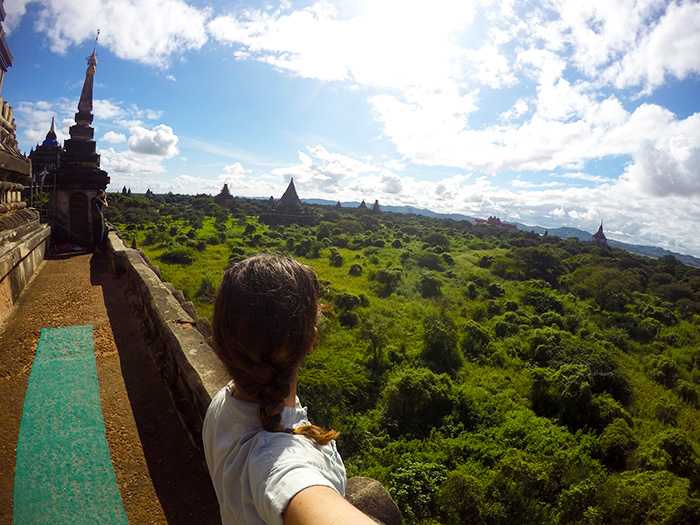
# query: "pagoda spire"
{"type": "Point", "coordinates": [51, 138]}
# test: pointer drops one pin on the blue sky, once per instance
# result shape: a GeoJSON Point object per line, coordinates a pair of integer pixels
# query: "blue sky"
{"type": "Point", "coordinates": [556, 113]}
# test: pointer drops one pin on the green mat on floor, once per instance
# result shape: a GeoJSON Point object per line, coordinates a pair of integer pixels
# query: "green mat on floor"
{"type": "Point", "coordinates": [63, 473]}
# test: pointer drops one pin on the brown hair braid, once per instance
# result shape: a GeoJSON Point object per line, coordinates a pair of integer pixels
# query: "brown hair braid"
{"type": "Point", "coordinates": [264, 320]}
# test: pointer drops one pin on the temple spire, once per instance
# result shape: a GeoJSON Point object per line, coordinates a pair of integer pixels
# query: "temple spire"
{"type": "Point", "coordinates": [51, 135]}
{"type": "Point", "coordinates": [84, 114]}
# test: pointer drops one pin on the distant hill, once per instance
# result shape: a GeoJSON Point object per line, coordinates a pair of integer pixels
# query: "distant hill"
{"type": "Point", "coordinates": [649, 251]}
{"type": "Point", "coordinates": [395, 209]}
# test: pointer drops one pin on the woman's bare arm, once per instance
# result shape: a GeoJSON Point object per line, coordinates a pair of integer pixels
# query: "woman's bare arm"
{"type": "Point", "coordinates": [322, 505]}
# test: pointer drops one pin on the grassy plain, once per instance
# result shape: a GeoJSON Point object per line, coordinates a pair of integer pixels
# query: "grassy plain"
{"type": "Point", "coordinates": [482, 375]}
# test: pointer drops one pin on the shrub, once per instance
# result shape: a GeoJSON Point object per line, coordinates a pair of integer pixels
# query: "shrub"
{"type": "Point", "coordinates": [616, 443]}
{"type": "Point", "coordinates": [346, 301]}
{"type": "Point", "coordinates": [511, 306]}
{"type": "Point", "coordinates": [429, 286]}
{"type": "Point", "coordinates": [416, 400]}
{"type": "Point", "coordinates": [687, 392]}
{"type": "Point", "coordinates": [448, 259]}
{"type": "Point", "coordinates": [440, 351]}
{"type": "Point", "coordinates": [355, 270]}
{"type": "Point", "coordinates": [475, 340]}
{"type": "Point", "coordinates": [206, 291]}
{"type": "Point", "coordinates": [430, 261]}
{"type": "Point", "coordinates": [348, 319]}
{"type": "Point", "coordinates": [666, 412]}
{"type": "Point", "coordinates": [436, 239]}
{"type": "Point", "coordinates": [630, 498]}
{"type": "Point", "coordinates": [181, 255]}
{"type": "Point", "coordinates": [414, 486]}
{"type": "Point", "coordinates": [462, 498]}
{"type": "Point", "coordinates": [663, 370]}
{"type": "Point", "coordinates": [335, 258]}
{"type": "Point", "coordinates": [484, 261]}
{"type": "Point", "coordinates": [386, 281]}
{"type": "Point", "coordinates": [495, 291]}
{"type": "Point", "coordinates": [504, 329]}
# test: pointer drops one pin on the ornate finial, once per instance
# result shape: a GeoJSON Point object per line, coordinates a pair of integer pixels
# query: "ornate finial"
{"type": "Point", "coordinates": [92, 59]}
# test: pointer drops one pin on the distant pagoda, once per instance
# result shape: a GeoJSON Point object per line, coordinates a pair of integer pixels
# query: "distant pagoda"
{"type": "Point", "coordinates": [496, 222]}
{"type": "Point", "coordinates": [288, 210]}
{"type": "Point", "coordinates": [599, 239]}
{"type": "Point", "coordinates": [224, 198]}
{"type": "Point", "coordinates": [45, 158]}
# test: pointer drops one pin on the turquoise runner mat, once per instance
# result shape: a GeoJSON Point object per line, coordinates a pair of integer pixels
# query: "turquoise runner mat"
{"type": "Point", "coordinates": [63, 473]}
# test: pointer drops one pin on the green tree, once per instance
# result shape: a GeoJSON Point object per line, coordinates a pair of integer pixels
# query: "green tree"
{"type": "Point", "coordinates": [429, 286]}
{"type": "Point", "coordinates": [416, 400]}
{"type": "Point", "coordinates": [440, 349]}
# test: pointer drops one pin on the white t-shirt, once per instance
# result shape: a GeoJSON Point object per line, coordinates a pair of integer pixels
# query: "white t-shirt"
{"type": "Point", "coordinates": [256, 473]}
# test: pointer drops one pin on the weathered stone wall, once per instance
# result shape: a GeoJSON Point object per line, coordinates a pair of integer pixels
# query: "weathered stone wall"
{"type": "Point", "coordinates": [22, 251]}
{"type": "Point", "coordinates": [185, 359]}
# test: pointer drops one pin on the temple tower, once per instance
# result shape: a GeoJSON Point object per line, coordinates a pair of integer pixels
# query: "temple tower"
{"type": "Point", "coordinates": [23, 239]}
{"type": "Point", "coordinates": [45, 158]}
{"type": "Point", "coordinates": [15, 168]}
{"type": "Point", "coordinates": [288, 210]}
{"type": "Point", "coordinates": [599, 239]}
{"type": "Point", "coordinates": [78, 177]}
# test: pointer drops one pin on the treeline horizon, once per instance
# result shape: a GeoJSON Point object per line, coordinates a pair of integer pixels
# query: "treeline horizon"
{"type": "Point", "coordinates": [482, 375]}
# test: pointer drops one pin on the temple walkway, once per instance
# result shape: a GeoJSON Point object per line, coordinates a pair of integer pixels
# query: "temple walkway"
{"type": "Point", "coordinates": [160, 476]}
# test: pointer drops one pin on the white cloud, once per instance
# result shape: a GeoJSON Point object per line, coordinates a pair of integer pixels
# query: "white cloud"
{"type": "Point", "coordinates": [150, 34]}
{"type": "Point", "coordinates": [235, 176]}
{"type": "Point", "coordinates": [519, 183]}
{"type": "Point", "coordinates": [106, 109]}
{"type": "Point", "coordinates": [668, 49]}
{"type": "Point", "coordinates": [114, 138]}
{"type": "Point", "coordinates": [314, 41]}
{"type": "Point", "coordinates": [159, 141]}
{"type": "Point", "coordinates": [322, 171]}
{"type": "Point", "coordinates": [128, 163]}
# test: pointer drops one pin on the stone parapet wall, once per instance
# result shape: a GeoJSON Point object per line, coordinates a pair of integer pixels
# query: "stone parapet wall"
{"type": "Point", "coordinates": [21, 252]}
{"type": "Point", "coordinates": [186, 361]}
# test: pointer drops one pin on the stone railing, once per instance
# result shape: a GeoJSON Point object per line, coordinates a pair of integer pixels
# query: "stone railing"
{"type": "Point", "coordinates": [176, 338]}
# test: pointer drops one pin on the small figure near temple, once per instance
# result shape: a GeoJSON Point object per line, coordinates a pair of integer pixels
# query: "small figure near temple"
{"type": "Point", "coordinates": [98, 205]}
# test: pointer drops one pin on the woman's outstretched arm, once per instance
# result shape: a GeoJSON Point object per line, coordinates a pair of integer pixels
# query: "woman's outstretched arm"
{"type": "Point", "coordinates": [322, 505]}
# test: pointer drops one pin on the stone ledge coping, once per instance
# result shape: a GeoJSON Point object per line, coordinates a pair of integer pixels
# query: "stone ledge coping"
{"type": "Point", "coordinates": [12, 253]}
{"type": "Point", "coordinates": [198, 368]}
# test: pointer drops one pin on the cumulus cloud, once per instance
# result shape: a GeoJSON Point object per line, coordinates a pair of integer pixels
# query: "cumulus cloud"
{"type": "Point", "coordinates": [151, 33]}
{"type": "Point", "coordinates": [235, 176]}
{"type": "Point", "coordinates": [313, 41]}
{"type": "Point", "coordinates": [114, 138]}
{"type": "Point", "coordinates": [665, 169]}
{"type": "Point", "coordinates": [668, 49]}
{"type": "Point", "coordinates": [322, 171]}
{"type": "Point", "coordinates": [129, 163]}
{"type": "Point", "coordinates": [159, 141]}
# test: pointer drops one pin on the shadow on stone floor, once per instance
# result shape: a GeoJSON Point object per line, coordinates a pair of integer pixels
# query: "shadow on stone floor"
{"type": "Point", "coordinates": [177, 469]}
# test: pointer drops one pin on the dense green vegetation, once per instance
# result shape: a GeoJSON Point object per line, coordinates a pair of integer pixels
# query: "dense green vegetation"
{"type": "Point", "coordinates": [483, 375]}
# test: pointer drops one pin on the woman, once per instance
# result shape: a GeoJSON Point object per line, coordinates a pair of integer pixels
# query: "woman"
{"type": "Point", "coordinates": [268, 464]}
{"type": "Point", "coordinates": [99, 204]}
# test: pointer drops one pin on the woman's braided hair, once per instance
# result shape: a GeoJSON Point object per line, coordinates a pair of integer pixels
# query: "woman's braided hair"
{"type": "Point", "coordinates": [264, 319]}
